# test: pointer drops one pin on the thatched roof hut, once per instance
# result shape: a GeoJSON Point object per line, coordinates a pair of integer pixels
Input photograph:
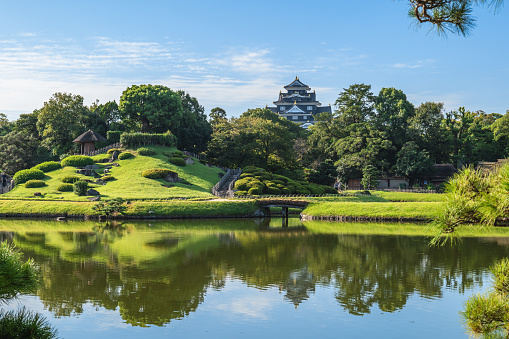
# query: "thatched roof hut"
{"type": "Point", "coordinates": [87, 141]}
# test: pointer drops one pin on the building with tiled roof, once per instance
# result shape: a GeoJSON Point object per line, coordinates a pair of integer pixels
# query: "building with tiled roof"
{"type": "Point", "coordinates": [299, 104]}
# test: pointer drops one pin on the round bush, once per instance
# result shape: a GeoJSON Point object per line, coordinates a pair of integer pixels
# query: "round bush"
{"type": "Point", "coordinates": [239, 193]}
{"type": "Point", "coordinates": [65, 187]}
{"type": "Point", "coordinates": [34, 183]}
{"type": "Point", "coordinates": [247, 183]}
{"type": "Point", "coordinates": [125, 155]}
{"type": "Point", "coordinates": [246, 175]}
{"type": "Point", "coordinates": [177, 161]}
{"type": "Point", "coordinates": [80, 187]}
{"type": "Point", "coordinates": [156, 173]}
{"type": "Point", "coordinates": [27, 174]}
{"type": "Point", "coordinates": [178, 154]}
{"type": "Point", "coordinates": [107, 178]}
{"type": "Point", "coordinates": [251, 169]}
{"type": "Point", "coordinates": [145, 151]}
{"type": "Point", "coordinates": [48, 166]}
{"type": "Point", "coordinates": [273, 190]}
{"type": "Point", "coordinates": [77, 161]}
{"type": "Point", "coordinates": [329, 190]}
{"type": "Point", "coordinates": [70, 179]}
{"type": "Point", "coordinates": [255, 191]}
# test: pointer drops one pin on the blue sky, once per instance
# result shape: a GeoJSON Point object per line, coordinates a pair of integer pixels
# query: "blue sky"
{"type": "Point", "coordinates": [240, 54]}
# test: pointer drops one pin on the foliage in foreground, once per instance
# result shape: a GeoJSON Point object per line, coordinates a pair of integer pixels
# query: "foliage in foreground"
{"type": "Point", "coordinates": [488, 314]}
{"type": "Point", "coordinates": [111, 207]}
{"type": "Point", "coordinates": [25, 324]}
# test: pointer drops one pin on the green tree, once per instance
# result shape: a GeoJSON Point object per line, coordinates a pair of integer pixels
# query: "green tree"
{"type": "Point", "coordinates": [427, 129]}
{"type": "Point", "coordinates": [369, 177]}
{"type": "Point", "coordinates": [453, 16]}
{"type": "Point", "coordinates": [216, 115]}
{"type": "Point", "coordinates": [413, 162]}
{"type": "Point", "coordinates": [151, 108]}
{"type": "Point", "coordinates": [325, 174]}
{"type": "Point", "coordinates": [5, 125]}
{"type": "Point", "coordinates": [194, 131]}
{"type": "Point", "coordinates": [61, 119]}
{"type": "Point", "coordinates": [18, 151]}
{"type": "Point", "coordinates": [27, 123]}
{"type": "Point", "coordinates": [108, 112]}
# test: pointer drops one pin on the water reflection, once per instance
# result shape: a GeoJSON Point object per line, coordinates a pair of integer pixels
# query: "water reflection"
{"type": "Point", "coordinates": [155, 273]}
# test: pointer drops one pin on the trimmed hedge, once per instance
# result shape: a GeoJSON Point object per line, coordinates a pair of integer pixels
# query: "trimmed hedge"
{"type": "Point", "coordinates": [77, 161]}
{"type": "Point", "coordinates": [111, 150]}
{"type": "Point", "coordinates": [65, 187]}
{"type": "Point", "coordinates": [80, 187]}
{"type": "Point", "coordinates": [125, 155]}
{"type": "Point", "coordinates": [107, 178]}
{"type": "Point", "coordinates": [48, 166]}
{"type": "Point", "coordinates": [34, 183]}
{"type": "Point", "coordinates": [70, 179]}
{"type": "Point", "coordinates": [178, 154]}
{"type": "Point", "coordinates": [135, 139]}
{"type": "Point", "coordinates": [145, 151]}
{"type": "Point", "coordinates": [28, 174]}
{"type": "Point", "coordinates": [177, 161]}
{"type": "Point", "coordinates": [156, 173]}
{"type": "Point", "coordinates": [255, 191]}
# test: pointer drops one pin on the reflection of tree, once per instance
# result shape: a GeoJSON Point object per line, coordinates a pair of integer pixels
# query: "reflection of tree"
{"type": "Point", "coordinates": [365, 270]}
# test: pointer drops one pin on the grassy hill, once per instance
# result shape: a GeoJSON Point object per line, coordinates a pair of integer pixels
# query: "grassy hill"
{"type": "Point", "coordinates": [129, 183]}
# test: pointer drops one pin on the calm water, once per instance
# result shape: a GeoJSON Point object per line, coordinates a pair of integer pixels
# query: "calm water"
{"type": "Point", "coordinates": [247, 279]}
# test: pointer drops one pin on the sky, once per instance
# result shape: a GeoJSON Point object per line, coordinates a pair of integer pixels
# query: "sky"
{"type": "Point", "coordinates": [239, 54]}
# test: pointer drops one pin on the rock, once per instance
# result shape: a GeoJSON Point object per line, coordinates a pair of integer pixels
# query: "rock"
{"type": "Point", "coordinates": [91, 167]}
{"type": "Point", "coordinates": [38, 194]}
{"type": "Point", "coordinates": [258, 213]}
{"type": "Point", "coordinates": [114, 156]}
{"type": "Point", "coordinates": [168, 186]}
{"type": "Point", "coordinates": [100, 182]}
{"type": "Point", "coordinates": [94, 198]}
{"type": "Point", "coordinates": [173, 177]}
{"type": "Point", "coordinates": [115, 164]}
{"type": "Point", "coordinates": [92, 192]}
{"type": "Point", "coordinates": [104, 160]}
{"type": "Point", "coordinates": [189, 161]}
{"type": "Point", "coordinates": [87, 172]}
{"type": "Point", "coordinates": [106, 170]}
{"type": "Point", "coordinates": [61, 219]}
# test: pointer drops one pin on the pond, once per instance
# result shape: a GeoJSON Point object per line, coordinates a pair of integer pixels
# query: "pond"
{"type": "Point", "coordinates": [251, 278]}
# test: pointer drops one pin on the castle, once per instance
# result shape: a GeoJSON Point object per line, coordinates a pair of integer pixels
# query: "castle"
{"type": "Point", "coordinates": [299, 104]}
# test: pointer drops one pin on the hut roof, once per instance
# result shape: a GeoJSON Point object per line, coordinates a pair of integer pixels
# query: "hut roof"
{"type": "Point", "coordinates": [89, 136]}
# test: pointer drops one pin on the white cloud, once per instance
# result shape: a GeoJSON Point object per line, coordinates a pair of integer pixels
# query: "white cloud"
{"type": "Point", "coordinates": [416, 64]}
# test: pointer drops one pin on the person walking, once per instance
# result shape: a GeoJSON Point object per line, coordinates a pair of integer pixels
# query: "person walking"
{"type": "Point", "coordinates": [4, 179]}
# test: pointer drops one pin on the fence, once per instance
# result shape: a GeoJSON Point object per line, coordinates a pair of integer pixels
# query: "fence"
{"type": "Point", "coordinates": [191, 154]}
{"type": "Point", "coordinates": [104, 149]}
{"type": "Point", "coordinates": [411, 190]}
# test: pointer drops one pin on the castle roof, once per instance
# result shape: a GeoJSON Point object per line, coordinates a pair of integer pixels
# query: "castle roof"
{"type": "Point", "coordinates": [297, 84]}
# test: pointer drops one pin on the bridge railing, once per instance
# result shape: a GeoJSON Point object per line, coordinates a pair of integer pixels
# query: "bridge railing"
{"type": "Point", "coordinates": [104, 149]}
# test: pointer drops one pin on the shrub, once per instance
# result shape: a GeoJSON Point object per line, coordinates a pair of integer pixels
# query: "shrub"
{"type": "Point", "coordinates": [125, 155]}
{"type": "Point", "coordinates": [177, 161]}
{"type": "Point", "coordinates": [273, 190]}
{"type": "Point", "coordinates": [113, 136]}
{"type": "Point", "coordinates": [111, 150]}
{"type": "Point", "coordinates": [27, 174]}
{"type": "Point", "coordinates": [251, 169]}
{"type": "Point", "coordinates": [65, 187]}
{"type": "Point", "coordinates": [136, 139]}
{"type": "Point", "coordinates": [500, 271]}
{"type": "Point", "coordinates": [178, 154]}
{"type": "Point", "coordinates": [239, 193]}
{"type": "Point", "coordinates": [70, 179]}
{"type": "Point", "coordinates": [246, 175]}
{"type": "Point", "coordinates": [48, 166]}
{"type": "Point", "coordinates": [255, 191]}
{"type": "Point", "coordinates": [107, 178]}
{"type": "Point", "coordinates": [247, 183]}
{"type": "Point", "coordinates": [77, 161]}
{"type": "Point", "coordinates": [34, 183]}
{"type": "Point", "coordinates": [145, 151]}
{"type": "Point", "coordinates": [485, 313]}
{"type": "Point", "coordinates": [80, 187]}
{"type": "Point", "coordinates": [111, 206]}
{"type": "Point", "coordinates": [330, 190]}
{"type": "Point", "coordinates": [156, 173]}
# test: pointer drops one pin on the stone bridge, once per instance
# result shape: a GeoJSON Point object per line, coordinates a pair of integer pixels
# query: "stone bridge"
{"type": "Point", "coordinates": [284, 204]}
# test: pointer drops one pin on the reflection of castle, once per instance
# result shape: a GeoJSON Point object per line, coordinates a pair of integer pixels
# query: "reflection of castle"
{"type": "Point", "coordinates": [299, 105]}
{"type": "Point", "coordinates": [298, 285]}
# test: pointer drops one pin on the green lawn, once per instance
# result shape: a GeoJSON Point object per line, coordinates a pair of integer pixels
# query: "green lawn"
{"type": "Point", "coordinates": [404, 196]}
{"type": "Point", "coordinates": [129, 184]}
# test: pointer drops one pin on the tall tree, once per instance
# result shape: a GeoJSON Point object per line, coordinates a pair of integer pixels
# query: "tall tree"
{"type": "Point", "coordinates": [151, 108]}
{"type": "Point", "coordinates": [61, 119]}
{"type": "Point", "coordinates": [216, 115]}
{"type": "Point", "coordinates": [18, 151]}
{"type": "Point", "coordinates": [413, 162]}
{"type": "Point", "coordinates": [454, 16]}
{"type": "Point", "coordinates": [194, 131]}
{"type": "Point", "coordinates": [427, 129]}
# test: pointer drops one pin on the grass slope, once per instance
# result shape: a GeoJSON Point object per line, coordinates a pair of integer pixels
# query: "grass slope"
{"type": "Point", "coordinates": [128, 183]}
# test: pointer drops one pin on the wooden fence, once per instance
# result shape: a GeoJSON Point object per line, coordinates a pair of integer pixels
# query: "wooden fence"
{"type": "Point", "coordinates": [104, 149]}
